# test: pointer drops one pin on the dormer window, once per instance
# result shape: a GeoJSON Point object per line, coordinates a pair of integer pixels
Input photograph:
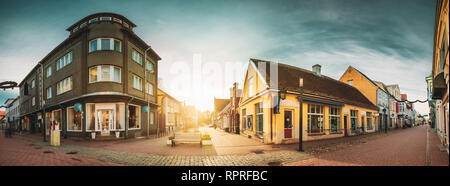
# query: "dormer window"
{"type": "Point", "coordinates": [125, 25]}
{"type": "Point", "coordinates": [93, 20]}
{"type": "Point", "coordinates": [105, 18]}
{"type": "Point", "coordinates": [83, 25]}
{"type": "Point", "coordinates": [117, 20]}
{"type": "Point", "coordinates": [75, 29]}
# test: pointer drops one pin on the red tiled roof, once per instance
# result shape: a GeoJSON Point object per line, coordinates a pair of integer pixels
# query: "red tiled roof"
{"type": "Point", "coordinates": [323, 86]}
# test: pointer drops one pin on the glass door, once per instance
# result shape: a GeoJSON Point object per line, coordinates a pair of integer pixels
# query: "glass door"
{"type": "Point", "coordinates": [105, 120]}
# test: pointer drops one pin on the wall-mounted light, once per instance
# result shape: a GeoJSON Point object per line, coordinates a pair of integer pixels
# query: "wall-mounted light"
{"type": "Point", "coordinates": [282, 94]}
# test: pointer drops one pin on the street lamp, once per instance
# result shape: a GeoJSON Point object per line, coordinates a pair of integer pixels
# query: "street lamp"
{"type": "Point", "coordinates": [282, 94]}
{"type": "Point", "coordinates": [300, 100]}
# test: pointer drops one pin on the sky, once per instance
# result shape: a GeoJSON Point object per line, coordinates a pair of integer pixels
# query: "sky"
{"type": "Point", "coordinates": [205, 45]}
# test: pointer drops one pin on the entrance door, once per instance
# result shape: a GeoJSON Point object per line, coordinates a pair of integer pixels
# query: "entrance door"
{"type": "Point", "coordinates": [287, 124]}
{"type": "Point", "coordinates": [105, 120]}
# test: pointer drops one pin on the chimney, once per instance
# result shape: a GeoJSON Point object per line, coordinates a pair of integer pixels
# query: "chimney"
{"type": "Point", "coordinates": [316, 69]}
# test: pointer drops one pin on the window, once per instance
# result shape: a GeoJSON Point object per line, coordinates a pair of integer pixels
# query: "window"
{"type": "Point", "coordinates": [64, 86]}
{"type": "Point", "coordinates": [149, 88]}
{"type": "Point", "coordinates": [49, 71]}
{"type": "Point", "coordinates": [250, 86]}
{"type": "Point", "coordinates": [75, 29]}
{"type": "Point", "coordinates": [105, 44]}
{"type": "Point", "coordinates": [33, 101]}
{"type": "Point", "coordinates": [137, 82]}
{"type": "Point", "coordinates": [353, 119]}
{"type": "Point", "coordinates": [136, 56]}
{"type": "Point", "coordinates": [49, 92]}
{"type": "Point", "coordinates": [259, 120]}
{"type": "Point", "coordinates": [335, 119]}
{"type": "Point", "coordinates": [117, 20]}
{"type": "Point", "coordinates": [105, 18]}
{"type": "Point", "coordinates": [105, 73]}
{"type": "Point", "coordinates": [83, 24]}
{"type": "Point", "coordinates": [444, 48]}
{"type": "Point", "coordinates": [33, 83]}
{"type": "Point", "coordinates": [152, 118]}
{"type": "Point", "coordinates": [350, 82]}
{"type": "Point", "coordinates": [149, 66]}
{"type": "Point", "coordinates": [134, 120]}
{"type": "Point", "coordinates": [93, 20]}
{"type": "Point", "coordinates": [125, 25]}
{"type": "Point", "coordinates": [73, 120]}
{"type": "Point", "coordinates": [63, 61]}
{"type": "Point", "coordinates": [369, 121]}
{"type": "Point", "coordinates": [315, 118]}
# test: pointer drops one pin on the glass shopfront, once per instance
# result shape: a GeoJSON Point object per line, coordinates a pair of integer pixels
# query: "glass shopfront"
{"type": "Point", "coordinates": [105, 117]}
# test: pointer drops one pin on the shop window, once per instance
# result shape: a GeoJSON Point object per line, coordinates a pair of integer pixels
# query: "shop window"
{"type": "Point", "coordinates": [353, 119]}
{"type": "Point", "coordinates": [134, 117]}
{"type": "Point", "coordinates": [120, 116]}
{"type": "Point", "coordinates": [315, 118]}
{"type": "Point", "coordinates": [73, 120]}
{"type": "Point", "coordinates": [335, 119]}
{"type": "Point", "coordinates": [369, 121]}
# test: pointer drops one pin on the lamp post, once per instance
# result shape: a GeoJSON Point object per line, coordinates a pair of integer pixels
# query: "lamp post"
{"type": "Point", "coordinates": [300, 100]}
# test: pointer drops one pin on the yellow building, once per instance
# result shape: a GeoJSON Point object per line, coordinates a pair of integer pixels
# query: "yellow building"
{"type": "Point", "coordinates": [329, 106]}
{"type": "Point", "coordinates": [169, 112]}
{"type": "Point", "coordinates": [440, 71]}
{"type": "Point", "coordinates": [375, 91]}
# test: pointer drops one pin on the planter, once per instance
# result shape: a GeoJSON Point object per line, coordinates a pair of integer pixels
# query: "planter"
{"type": "Point", "coordinates": [93, 135]}
{"type": "Point", "coordinates": [117, 134]}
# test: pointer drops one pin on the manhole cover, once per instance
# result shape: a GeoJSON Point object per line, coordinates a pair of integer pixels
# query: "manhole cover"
{"type": "Point", "coordinates": [47, 152]}
{"type": "Point", "coordinates": [73, 152]}
{"type": "Point", "coordinates": [258, 151]}
{"type": "Point", "coordinates": [275, 163]}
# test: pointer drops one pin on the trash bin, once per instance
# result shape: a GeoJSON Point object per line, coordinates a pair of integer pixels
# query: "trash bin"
{"type": "Point", "coordinates": [55, 138]}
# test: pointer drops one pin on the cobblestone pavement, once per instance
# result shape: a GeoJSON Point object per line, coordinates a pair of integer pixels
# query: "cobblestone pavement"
{"type": "Point", "coordinates": [19, 152]}
{"type": "Point", "coordinates": [130, 158]}
{"type": "Point", "coordinates": [406, 147]}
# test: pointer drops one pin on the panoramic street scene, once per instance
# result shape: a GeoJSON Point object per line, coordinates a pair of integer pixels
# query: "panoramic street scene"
{"type": "Point", "coordinates": [224, 83]}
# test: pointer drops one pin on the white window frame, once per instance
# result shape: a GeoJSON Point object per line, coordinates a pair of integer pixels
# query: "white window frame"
{"type": "Point", "coordinates": [64, 61]}
{"type": "Point", "coordinates": [83, 24]}
{"type": "Point", "coordinates": [49, 92]}
{"type": "Point", "coordinates": [93, 20]}
{"type": "Point", "coordinates": [140, 116]}
{"type": "Point", "coordinates": [136, 56]}
{"type": "Point", "coordinates": [105, 18]}
{"type": "Point", "coordinates": [136, 77]}
{"type": "Point", "coordinates": [33, 83]}
{"type": "Point", "coordinates": [67, 122]}
{"type": "Point", "coordinates": [147, 88]}
{"type": "Point", "coordinates": [321, 114]}
{"type": "Point", "coordinates": [111, 74]}
{"type": "Point", "coordinates": [49, 71]}
{"type": "Point", "coordinates": [61, 85]}
{"type": "Point", "coordinates": [33, 101]}
{"type": "Point", "coordinates": [336, 115]}
{"type": "Point", "coordinates": [111, 44]}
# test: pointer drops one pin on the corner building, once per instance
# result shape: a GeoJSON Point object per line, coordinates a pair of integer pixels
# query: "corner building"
{"type": "Point", "coordinates": [97, 81]}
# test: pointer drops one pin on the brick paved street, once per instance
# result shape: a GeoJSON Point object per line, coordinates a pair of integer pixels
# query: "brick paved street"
{"type": "Point", "coordinates": [17, 152]}
{"type": "Point", "coordinates": [403, 148]}
{"type": "Point", "coordinates": [399, 147]}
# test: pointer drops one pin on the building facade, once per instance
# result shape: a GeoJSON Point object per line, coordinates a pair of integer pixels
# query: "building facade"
{"type": "Point", "coordinates": [374, 92]}
{"type": "Point", "coordinates": [13, 113]}
{"type": "Point", "coordinates": [221, 114]}
{"type": "Point", "coordinates": [270, 110]}
{"type": "Point", "coordinates": [394, 91]}
{"type": "Point", "coordinates": [440, 70]}
{"type": "Point", "coordinates": [170, 112]}
{"type": "Point", "coordinates": [97, 81]}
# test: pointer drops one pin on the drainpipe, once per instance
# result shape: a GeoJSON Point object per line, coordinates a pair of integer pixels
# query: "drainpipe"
{"type": "Point", "coordinates": [43, 105]}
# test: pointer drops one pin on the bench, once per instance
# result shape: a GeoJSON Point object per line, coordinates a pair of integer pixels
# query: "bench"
{"type": "Point", "coordinates": [186, 138]}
